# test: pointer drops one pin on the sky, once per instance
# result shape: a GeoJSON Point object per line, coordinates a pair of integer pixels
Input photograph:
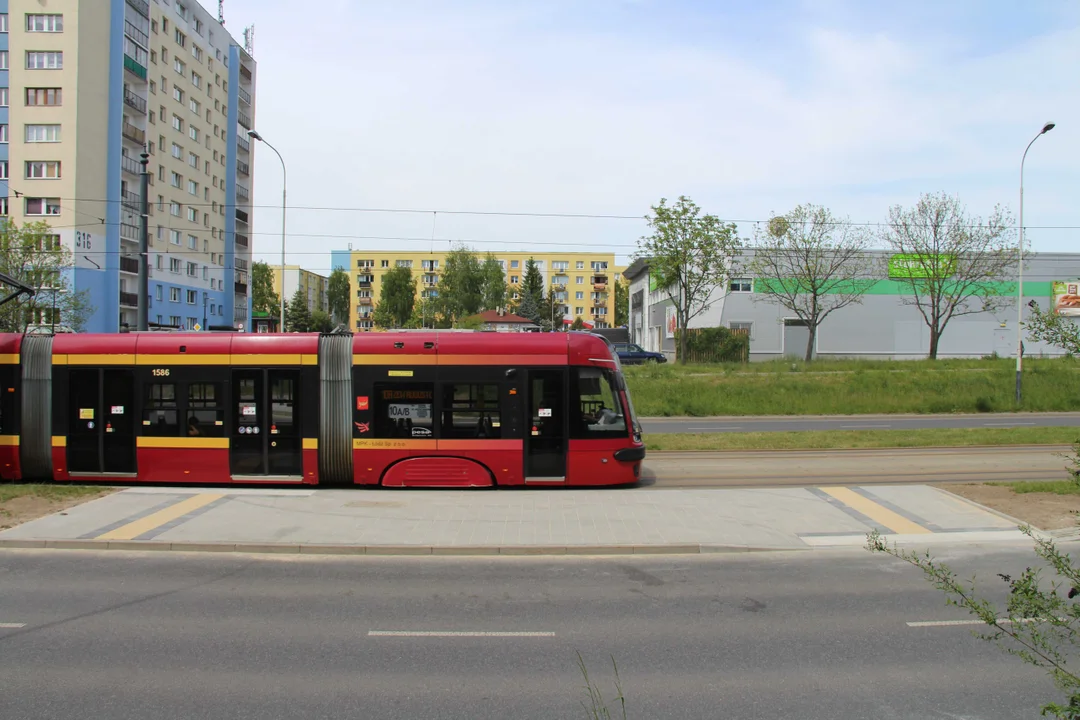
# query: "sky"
{"type": "Point", "coordinates": [487, 117]}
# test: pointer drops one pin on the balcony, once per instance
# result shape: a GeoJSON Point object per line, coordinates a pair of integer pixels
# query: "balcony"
{"type": "Point", "coordinates": [242, 193]}
{"type": "Point", "coordinates": [134, 101]}
{"type": "Point", "coordinates": [131, 165]}
{"type": "Point", "coordinates": [129, 231]}
{"type": "Point", "coordinates": [241, 240]}
{"type": "Point", "coordinates": [244, 119]}
{"type": "Point", "coordinates": [141, 6]}
{"type": "Point", "coordinates": [132, 201]}
{"type": "Point", "coordinates": [244, 95]}
{"type": "Point", "coordinates": [363, 283]}
{"type": "Point", "coordinates": [133, 133]}
{"type": "Point", "coordinates": [240, 288]}
{"type": "Point", "coordinates": [363, 301]}
{"type": "Point", "coordinates": [241, 216]}
{"type": "Point", "coordinates": [129, 265]}
{"type": "Point", "coordinates": [134, 68]}
{"type": "Point", "coordinates": [243, 168]}
{"type": "Point", "coordinates": [245, 73]}
{"type": "Point", "coordinates": [129, 299]}
{"type": "Point", "coordinates": [136, 34]}
{"type": "Point", "coordinates": [243, 143]}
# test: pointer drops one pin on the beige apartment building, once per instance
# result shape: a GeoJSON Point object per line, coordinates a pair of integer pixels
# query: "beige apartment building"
{"type": "Point", "coordinates": [89, 85]}
{"type": "Point", "coordinates": [583, 283]}
{"type": "Point", "coordinates": [313, 286]}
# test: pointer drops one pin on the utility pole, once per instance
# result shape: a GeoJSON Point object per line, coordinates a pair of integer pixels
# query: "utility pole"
{"type": "Point", "coordinates": [144, 247]}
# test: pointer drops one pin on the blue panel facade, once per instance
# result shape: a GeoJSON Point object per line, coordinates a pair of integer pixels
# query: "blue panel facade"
{"type": "Point", "coordinates": [340, 259]}
{"type": "Point", "coordinates": [230, 184]}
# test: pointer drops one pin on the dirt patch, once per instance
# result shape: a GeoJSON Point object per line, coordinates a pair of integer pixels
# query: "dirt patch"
{"type": "Point", "coordinates": [25, 508]}
{"type": "Point", "coordinates": [1045, 511]}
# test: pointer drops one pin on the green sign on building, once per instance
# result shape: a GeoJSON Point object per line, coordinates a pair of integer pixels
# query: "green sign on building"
{"type": "Point", "coordinates": [921, 266]}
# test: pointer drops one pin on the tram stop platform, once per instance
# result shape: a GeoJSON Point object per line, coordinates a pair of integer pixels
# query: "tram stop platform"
{"type": "Point", "coordinates": [549, 521]}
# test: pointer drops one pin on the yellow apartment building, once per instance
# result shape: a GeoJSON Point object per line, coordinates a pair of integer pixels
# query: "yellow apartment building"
{"type": "Point", "coordinates": [312, 285]}
{"type": "Point", "coordinates": [583, 282]}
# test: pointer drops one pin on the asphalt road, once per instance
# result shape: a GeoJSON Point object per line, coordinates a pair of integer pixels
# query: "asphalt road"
{"type": "Point", "coordinates": [799, 468]}
{"type": "Point", "coordinates": [812, 637]}
{"type": "Point", "coordinates": [856, 422]}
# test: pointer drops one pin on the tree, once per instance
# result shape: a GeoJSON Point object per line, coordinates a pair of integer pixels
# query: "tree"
{"type": "Point", "coordinates": [297, 315]}
{"type": "Point", "coordinates": [691, 255]}
{"type": "Point", "coordinates": [551, 314]}
{"type": "Point", "coordinates": [397, 298]}
{"type": "Point", "coordinates": [460, 282]}
{"type": "Point", "coordinates": [34, 256]}
{"type": "Point", "coordinates": [263, 297]}
{"type": "Point", "coordinates": [622, 304]}
{"type": "Point", "coordinates": [321, 322]}
{"type": "Point", "coordinates": [949, 263]}
{"type": "Point", "coordinates": [531, 304]}
{"type": "Point", "coordinates": [578, 324]}
{"type": "Point", "coordinates": [812, 264]}
{"type": "Point", "coordinates": [492, 284]}
{"type": "Point", "coordinates": [338, 291]}
{"type": "Point", "coordinates": [1054, 329]}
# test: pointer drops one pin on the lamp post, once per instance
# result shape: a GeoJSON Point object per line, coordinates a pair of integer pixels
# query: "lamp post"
{"type": "Point", "coordinates": [1020, 268]}
{"type": "Point", "coordinates": [256, 136]}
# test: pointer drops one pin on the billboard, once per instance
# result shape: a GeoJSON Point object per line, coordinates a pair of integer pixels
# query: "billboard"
{"type": "Point", "coordinates": [670, 321]}
{"type": "Point", "coordinates": [917, 266]}
{"type": "Point", "coordinates": [1066, 297]}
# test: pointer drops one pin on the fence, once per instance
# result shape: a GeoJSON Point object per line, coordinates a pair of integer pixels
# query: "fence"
{"type": "Point", "coordinates": [715, 345]}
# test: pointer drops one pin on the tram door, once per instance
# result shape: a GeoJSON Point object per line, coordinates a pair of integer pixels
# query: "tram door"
{"type": "Point", "coordinates": [101, 429]}
{"type": "Point", "coordinates": [545, 431]}
{"type": "Point", "coordinates": [266, 437]}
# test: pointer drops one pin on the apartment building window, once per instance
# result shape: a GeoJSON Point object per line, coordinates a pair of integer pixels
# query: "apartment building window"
{"type": "Point", "coordinates": [174, 320]}
{"type": "Point", "coordinates": [179, 66]}
{"type": "Point", "coordinates": [404, 263]}
{"type": "Point", "coordinates": [154, 26]}
{"type": "Point", "coordinates": [180, 38]}
{"type": "Point", "coordinates": [197, 52]}
{"type": "Point", "coordinates": [3, 169]}
{"type": "Point", "coordinates": [174, 267]}
{"type": "Point", "coordinates": [177, 151]}
{"type": "Point", "coordinates": [45, 23]}
{"type": "Point", "coordinates": [3, 134]}
{"type": "Point", "coordinates": [3, 97]}
{"type": "Point", "coordinates": [3, 23]}
{"type": "Point", "coordinates": [175, 179]}
{"type": "Point", "coordinates": [198, 27]}
{"type": "Point", "coordinates": [36, 60]}
{"type": "Point", "coordinates": [42, 170]}
{"type": "Point", "coordinates": [177, 123]}
{"type": "Point", "coordinates": [158, 294]}
{"type": "Point", "coordinates": [174, 237]}
{"type": "Point", "coordinates": [178, 94]}
{"type": "Point", "coordinates": [192, 271]}
{"type": "Point", "coordinates": [174, 209]}
{"type": "Point", "coordinates": [196, 79]}
{"type": "Point", "coordinates": [192, 242]}
{"type": "Point", "coordinates": [193, 188]}
{"type": "Point", "coordinates": [3, 206]}
{"type": "Point", "coordinates": [194, 105]}
{"type": "Point", "coordinates": [174, 294]}
{"type": "Point", "coordinates": [193, 160]}
{"type": "Point", "coordinates": [560, 265]}
{"type": "Point", "coordinates": [579, 295]}
{"type": "Point", "coordinates": [181, 10]}
{"type": "Point", "coordinates": [193, 214]}
{"type": "Point", "coordinates": [578, 310]}
{"type": "Point", "coordinates": [193, 133]}
{"type": "Point", "coordinates": [161, 173]}
{"type": "Point", "coordinates": [579, 280]}
{"type": "Point", "coordinates": [153, 118]}
{"type": "Point", "coordinates": [513, 279]}
{"type": "Point", "coordinates": [3, 59]}
{"type": "Point", "coordinates": [741, 285]}
{"type": "Point", "coordinates": [42, 206]}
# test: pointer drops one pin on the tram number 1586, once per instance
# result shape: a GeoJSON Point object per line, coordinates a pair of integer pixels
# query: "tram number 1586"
{"type": "Point", "coordinates": [160, 372]}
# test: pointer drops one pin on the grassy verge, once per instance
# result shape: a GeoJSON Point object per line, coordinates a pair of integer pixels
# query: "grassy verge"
{"type": "Point", "coordinates": [853, 387]}
{"type": "Point", "coordinates": [848, 439]}
{"type": "Point", "coordinates": [10, 492]}
{"type": "Point", "coordinates": [1054, 487]}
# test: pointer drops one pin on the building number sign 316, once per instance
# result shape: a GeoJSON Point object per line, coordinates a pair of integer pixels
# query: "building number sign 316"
{"type": "Point", "coordinates": [160, 372]}
{"type": "Point", "coordinates": [84, 240]}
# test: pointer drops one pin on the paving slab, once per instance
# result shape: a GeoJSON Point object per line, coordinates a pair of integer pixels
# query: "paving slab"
{"type": "Point", "coordinates": [544, 521]}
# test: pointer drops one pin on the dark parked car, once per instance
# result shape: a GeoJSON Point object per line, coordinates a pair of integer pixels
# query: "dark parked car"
{"type": "Point", "coordinates": [631, 354]}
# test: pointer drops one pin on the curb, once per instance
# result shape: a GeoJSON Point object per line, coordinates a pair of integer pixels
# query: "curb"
{"type": "Point", "coordinates": [386, 550]}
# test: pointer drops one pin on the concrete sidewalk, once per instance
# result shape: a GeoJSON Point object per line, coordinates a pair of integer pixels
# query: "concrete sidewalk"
{"type": "Point", "coordinates": [531, 521]}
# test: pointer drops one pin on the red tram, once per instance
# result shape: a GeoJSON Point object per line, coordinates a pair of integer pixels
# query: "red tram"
{"type": "Point", "coordinates": [412, 408]}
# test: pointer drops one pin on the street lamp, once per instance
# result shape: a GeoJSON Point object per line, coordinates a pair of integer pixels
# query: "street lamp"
{"type": "Point", "coordinates": [256, 136]}
{"type": "Point", "coordinates": [1020, 269]}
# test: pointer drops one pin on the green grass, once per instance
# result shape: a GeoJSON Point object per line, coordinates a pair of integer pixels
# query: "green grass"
{"type": "Point", "coordinates": [850, 439]}
{"type": "Point", "coordinates": [10, 491]}
{"type": "Point", "coordinates": [1056, 487]}
{"type": "Point", "coordinates": [837, 387]}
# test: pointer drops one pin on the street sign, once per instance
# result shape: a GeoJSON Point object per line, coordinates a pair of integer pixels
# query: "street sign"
{"type": "Point", "coordinates": [198, 327]}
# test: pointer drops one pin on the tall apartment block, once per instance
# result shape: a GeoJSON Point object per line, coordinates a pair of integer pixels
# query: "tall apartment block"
{"type": "Point", "coordinates": [582, 283]}
{"type": "Point", "coordinates": [88, 86]}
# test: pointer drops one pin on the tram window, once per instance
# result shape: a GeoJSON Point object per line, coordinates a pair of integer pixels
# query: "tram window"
{"type": "Point", "coordinates": [598, 410]}
{"type": "Point", "coordinates": [404, 410]}
{"type": "Point", "coordinates": [205, 417]}
{"type": "Point", "coordinates": [282, 409]}
{"type": "Point", "coordinates": [161, 414]}
{"type": "Point", "coordinates": [470, 411]}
